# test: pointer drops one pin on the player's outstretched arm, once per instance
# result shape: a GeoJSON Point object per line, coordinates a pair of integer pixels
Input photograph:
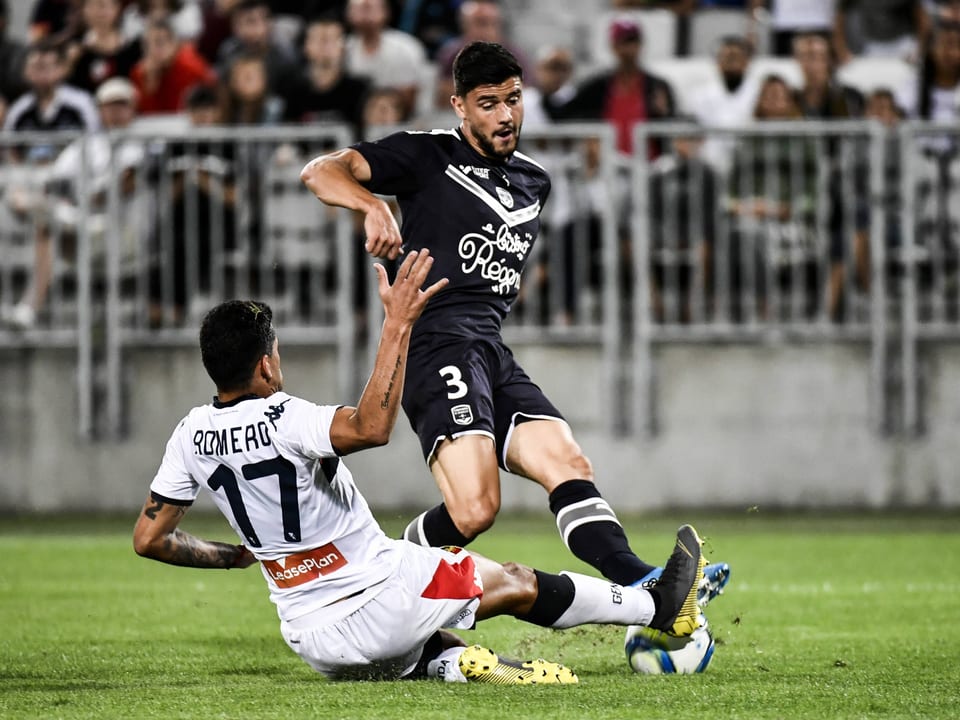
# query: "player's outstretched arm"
{"type": "Point", "coordinates": [156, 536]}
{"type": "Point", "coordinates": [335, 179]}
{"type": "Point", "coordinates": [370, 423]}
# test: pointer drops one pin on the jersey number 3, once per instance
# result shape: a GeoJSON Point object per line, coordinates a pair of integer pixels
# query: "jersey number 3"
{"type": "Point", "coordinates": [454, 378]}
{"type": "Point", "coordinates": [285, 471]}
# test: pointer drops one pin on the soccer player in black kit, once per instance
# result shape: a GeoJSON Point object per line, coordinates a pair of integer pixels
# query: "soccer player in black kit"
{"type": "Point", "coordinates": [470, 197]}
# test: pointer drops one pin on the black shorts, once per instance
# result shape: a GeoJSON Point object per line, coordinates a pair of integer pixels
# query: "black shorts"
{"type": "Point", "coordinates": [466, 386]}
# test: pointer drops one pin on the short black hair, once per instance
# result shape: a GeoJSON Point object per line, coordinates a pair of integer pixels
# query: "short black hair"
{"type": "Point", "coordinates": [738, 41]}
{"type": "Point", "coordinates": [245, 5]}
{"type": "Point", "coordinates": [48, 45]}
{"type": "Point", "coordinates": [325, 17]}
{"type": "Point", "coordinates": [483, 63]}
{"type": "Point", "coordinates": [161, 23]}
{"type": "Point", "coordinates": [233, 337]}
{"type": "Point", "coordinates": [200, 96]}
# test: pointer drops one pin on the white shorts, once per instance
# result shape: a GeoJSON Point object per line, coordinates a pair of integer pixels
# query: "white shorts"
{"type": "Point", "coordinates": [383, 638]}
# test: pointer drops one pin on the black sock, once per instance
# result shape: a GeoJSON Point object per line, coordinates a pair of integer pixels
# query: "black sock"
{"type": "Point", "coordinates": [431, 648]}
{"type": "Point", "coordinates": [590, 528]}
{"type": "Point", "coordinates": [435, 528]}
{"type": "Point", "coordinates": [554, 596]}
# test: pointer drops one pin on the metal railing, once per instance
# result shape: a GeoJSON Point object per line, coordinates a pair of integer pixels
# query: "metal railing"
{"type": "Point", "coordinates": [779, 235]}
{"type": "Point", "coordinates": [810, 232]}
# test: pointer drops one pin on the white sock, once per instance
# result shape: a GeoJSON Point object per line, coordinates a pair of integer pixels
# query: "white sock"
{"type": "Point", "coordinates": [601, 601]}
{"type": "Point", "coordinates": [446, 667]}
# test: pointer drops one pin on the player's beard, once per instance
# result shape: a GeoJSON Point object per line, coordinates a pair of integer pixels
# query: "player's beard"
{"type": "Point", "coordinates": [489, 149]}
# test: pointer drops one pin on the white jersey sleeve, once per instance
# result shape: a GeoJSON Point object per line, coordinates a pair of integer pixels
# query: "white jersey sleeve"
{"type": "Point", "coordinates": [173, 481]}
{"type": "Point", "coordinates": [308, 430]}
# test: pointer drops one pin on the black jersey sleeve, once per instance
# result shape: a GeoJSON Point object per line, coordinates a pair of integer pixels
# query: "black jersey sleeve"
{"type": "Point", "coordinates": [401, 163]}
{"type": "Point", "coordinates": [545, 191]}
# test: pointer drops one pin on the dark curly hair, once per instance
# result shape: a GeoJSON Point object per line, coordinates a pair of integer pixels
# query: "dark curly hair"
{"type": "Point", "coordinates": [483, 63]}
{"type": "Point", "coordinates": [233, 337]}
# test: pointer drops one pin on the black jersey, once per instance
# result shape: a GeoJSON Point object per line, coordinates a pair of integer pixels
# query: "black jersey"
{"type": "Point", "coordinates": [478, 217]}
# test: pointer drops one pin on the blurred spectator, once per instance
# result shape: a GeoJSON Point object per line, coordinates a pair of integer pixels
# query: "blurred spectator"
{"type": "Point", "coordinates": [323, 90]}
{"type": "Point", "coordinates": [197, 217]}
{"type": "Point", "coordinates": [552, 87]}
{"type": "Point", "coordinates": [432, 22]}
{"type": "Point", "coordinates": [386, 57]}
{"type": "Point", "coordinates": [623, 97]}
{"type": "Point", "coordinates": [933, 95]}
{"type": "Point", "coordinates": [384, 108]}
{"type": "Point", "coordinates": [789, 17]}
{"type": "Point", "coordinates": [12, 53]}
{"type": "Point", "coordinates": [252, 26]}
{"type": "Point", "coordinates": [626, 95]}
{"type": "Point", "coordinates": [683, 207]}
{"type": "Point", "coordinates": [57, 20]}
{"type": "Point", "coordinates": [570, 265]}
{"type": "Point", "coordinates": [729, 100]}
{"type": "Point", "coordinates": [169, 69]}
{"type": "Point", "coordinates": [101, 164]}
{"type": "Point", "coordinates": [821, 95]}
{"type": "Point", "coordinates": [185, 17]}
{"type": "Point", "coordinates": [103, 52]}
{"type": "Point", "coordinates": [883, 28]}
{"type": "Point", "coordinates": [880, 105]}
{"type": "Point", "coordinates": [479, 20]}
{"type": "Point", "coordinates": [943, 10]}
{"type": "Point", "coordinates": [216, 27]}
{"type": "Point", "coordinates": [50, 104]}
{"type": "Point", "coordinates": [245, 96]}
{"type": "Point", "coordinates": [683, 9]}
{"type": "Point", "coordinates": [772, 204]}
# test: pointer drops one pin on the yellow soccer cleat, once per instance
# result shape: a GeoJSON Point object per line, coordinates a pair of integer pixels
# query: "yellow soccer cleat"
{"type": "Point", "coordinates": [478, 664]}
{"type": "Point", "coordinates": [678, 613]}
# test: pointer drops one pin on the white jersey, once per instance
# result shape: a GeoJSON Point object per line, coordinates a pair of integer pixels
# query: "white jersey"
{"type": "Point", "coordinates": [272, 471]}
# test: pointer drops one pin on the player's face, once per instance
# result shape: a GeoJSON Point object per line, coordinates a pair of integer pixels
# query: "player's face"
{"type": "Point", "coordinates": [491, 117]}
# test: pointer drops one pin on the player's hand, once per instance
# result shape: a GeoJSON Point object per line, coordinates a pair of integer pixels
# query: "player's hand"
{"type": "Point", "coordinates": [404, 300]}
{"type": "Point", "coordinates": [245, 558]}
{"type": "Point", "coordinates": [382, 231]}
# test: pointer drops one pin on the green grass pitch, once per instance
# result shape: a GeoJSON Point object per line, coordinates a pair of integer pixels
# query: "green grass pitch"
{"type": "Point", "coordinates": [825, 617]}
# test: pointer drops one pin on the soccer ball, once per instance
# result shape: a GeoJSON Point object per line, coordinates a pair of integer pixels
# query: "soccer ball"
{"type": "Point", "coordinates": [653, 653]}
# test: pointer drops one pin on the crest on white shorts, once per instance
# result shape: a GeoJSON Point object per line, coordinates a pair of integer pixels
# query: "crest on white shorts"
{"type": "Point", "coordinates": [462, 414]}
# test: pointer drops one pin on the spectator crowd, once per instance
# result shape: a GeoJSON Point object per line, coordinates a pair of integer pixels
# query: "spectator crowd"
{"type": "Point", "coordinates": [104, 65]}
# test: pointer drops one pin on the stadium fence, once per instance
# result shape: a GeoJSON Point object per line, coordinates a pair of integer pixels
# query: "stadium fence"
{"type": "Point", "coordinates": [774, 233]}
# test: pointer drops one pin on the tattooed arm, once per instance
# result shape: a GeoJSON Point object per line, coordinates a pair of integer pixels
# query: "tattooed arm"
{"type": "Point", "coordinates": [157, 536]}
{"type": "Point", "coordinates": [370, 423]}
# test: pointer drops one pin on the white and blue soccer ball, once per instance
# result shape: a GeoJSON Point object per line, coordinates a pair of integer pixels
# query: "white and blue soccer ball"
{"type": "Point", "coordinates": [651, 652]}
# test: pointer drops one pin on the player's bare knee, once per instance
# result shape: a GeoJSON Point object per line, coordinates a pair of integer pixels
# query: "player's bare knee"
{"type": "Point", "coordinates": [581, 465]}
{"type": "Point", "coordinates": [521, 579]}
{"type": "Point", "coordinates": [475, 517]}
{"type": "Point", "coordinates": [573, 465]}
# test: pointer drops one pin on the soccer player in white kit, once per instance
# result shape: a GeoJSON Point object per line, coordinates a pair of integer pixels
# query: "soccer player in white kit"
{"type": "Point", "coordinates": [353, 603]}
